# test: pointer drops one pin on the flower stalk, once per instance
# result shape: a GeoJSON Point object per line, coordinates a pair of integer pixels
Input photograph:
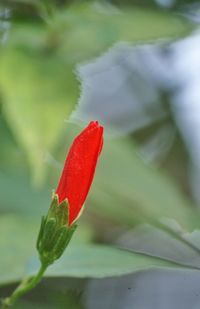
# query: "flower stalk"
{"type": "Point", "coordinates": [58, 226]}
{"type": "Point", "coordinates": [25, 286]}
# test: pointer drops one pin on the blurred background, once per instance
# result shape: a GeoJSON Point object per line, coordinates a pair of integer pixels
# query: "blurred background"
{"type": "Point", "coordinates": [134, 66]}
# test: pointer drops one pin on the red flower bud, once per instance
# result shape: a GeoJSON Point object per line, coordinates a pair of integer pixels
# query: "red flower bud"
{"type": "Point", "coordinates": [79, 168]}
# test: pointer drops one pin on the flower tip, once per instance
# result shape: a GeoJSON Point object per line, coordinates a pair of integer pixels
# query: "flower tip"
{"type": "Point", "coordinates": [96, 125]}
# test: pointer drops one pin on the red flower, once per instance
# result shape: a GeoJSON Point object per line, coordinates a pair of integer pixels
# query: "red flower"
{"type": "Point", "coordinates": [79, 168]}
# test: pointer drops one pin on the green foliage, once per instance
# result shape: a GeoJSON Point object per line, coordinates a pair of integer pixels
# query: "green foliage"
{"type": "Point", "coordinates": [80, 261]}
{"type": "Point", "coordinates": [97, 261]}
{"type": "Point", "coordinates": [43, 90]}
{"type": "Point", "coordinates": [136, 192]}
{"type": "Point", "coordinates": [91, 29]}
{"type": "Point", "coordinates": [153, 241]}
{"type": "Point", "coordinates": [38, 91]}
{"type": "Point", "coordinates": [19, 237]}
{"type": "Point", "coordinates": [37, 83]}
{"type": "Point", "coordinates": [18, 196]}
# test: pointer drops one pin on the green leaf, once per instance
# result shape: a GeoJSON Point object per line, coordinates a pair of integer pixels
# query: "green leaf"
{"type": "Point", "coordinates": [91, 29]}
{"type": "Point", "coordinates": [38, 92]}
{"type": "Point", "coordinates": [98, 261]}
{"type": "Point", "coordinates": [152, 241]}
{"type": "Point", "coordinates": [18, 196]}
{"type": "Point", "coordinates": [79, 260]}
{"type": "Point", "coordinates": [83, 260]}
{"type": "Point", "coordinates": [137, 192]}
{"type": "Point", "coordinates": [18, 245]}
{"type": "Point", "coordinates": [37, 84]}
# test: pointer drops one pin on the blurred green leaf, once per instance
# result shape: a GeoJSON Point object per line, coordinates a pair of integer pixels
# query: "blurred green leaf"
{"type": "Point", "coordinates": [17, 195]}
{"type": "Point", "coordinates": [19, 238]}
{"type": "Point", "coordinates": [37, 83]}
{"type": "Point", "coordinates": [78, 261]}
{"type": "Point", "coordinates": [11, 157]}
{"type": "Point", "coordinates": [91, 28]}
{"type": "Point", "coordinates": [152, 241]}
{"type": "Point", "coordinates": [98, 261]}
{"type": "Point", "coordinates": [136, 192]}
{"type": "Point", "coordinates": [16, 246]}
{"type": "Point", "coordinates": [38, 93]}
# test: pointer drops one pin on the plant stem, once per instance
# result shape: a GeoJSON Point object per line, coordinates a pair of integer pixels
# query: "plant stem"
{"type": "Point", "coordinates": [25, 286]}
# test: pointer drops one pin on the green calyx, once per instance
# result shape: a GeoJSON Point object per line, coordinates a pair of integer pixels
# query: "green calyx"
{"type": "Point", "coordinates": [54, 234]}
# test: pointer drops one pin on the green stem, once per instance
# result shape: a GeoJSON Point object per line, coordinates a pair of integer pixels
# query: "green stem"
{"type": "Point", "coordinates": [25, 286]}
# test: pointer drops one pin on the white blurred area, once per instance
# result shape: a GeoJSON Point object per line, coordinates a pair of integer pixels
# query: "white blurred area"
{"type": "Point", "coordinates": [185, 101]}
{"type": "Point", "coordinates": [113, 88]}
{"type": "Point", "coordinates": [165, 3]}
{"type": "Point", "coordinates": [4, 23]}
{"type": "Point", "coordinates": [124, 89]}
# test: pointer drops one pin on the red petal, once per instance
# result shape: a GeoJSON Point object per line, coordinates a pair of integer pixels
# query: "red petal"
{"type": "Point", "coordinates": [79, 168]}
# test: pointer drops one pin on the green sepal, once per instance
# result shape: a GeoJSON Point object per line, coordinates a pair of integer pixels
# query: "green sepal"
{"type": "Point", "coordinates": [53, 206]}
{"type": "Point", "coordinates": [62, 213]}
{"type": "Point", "coordinates": [42, 225]}
{"type": "Point", "coordinates": [54, 234]}
{"type": "Point", "coordinates": [48, 235]}
{"type": "Point", "coordinates": [63, 238]}
{"type": "Point", "coordinates": [58, 211]}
